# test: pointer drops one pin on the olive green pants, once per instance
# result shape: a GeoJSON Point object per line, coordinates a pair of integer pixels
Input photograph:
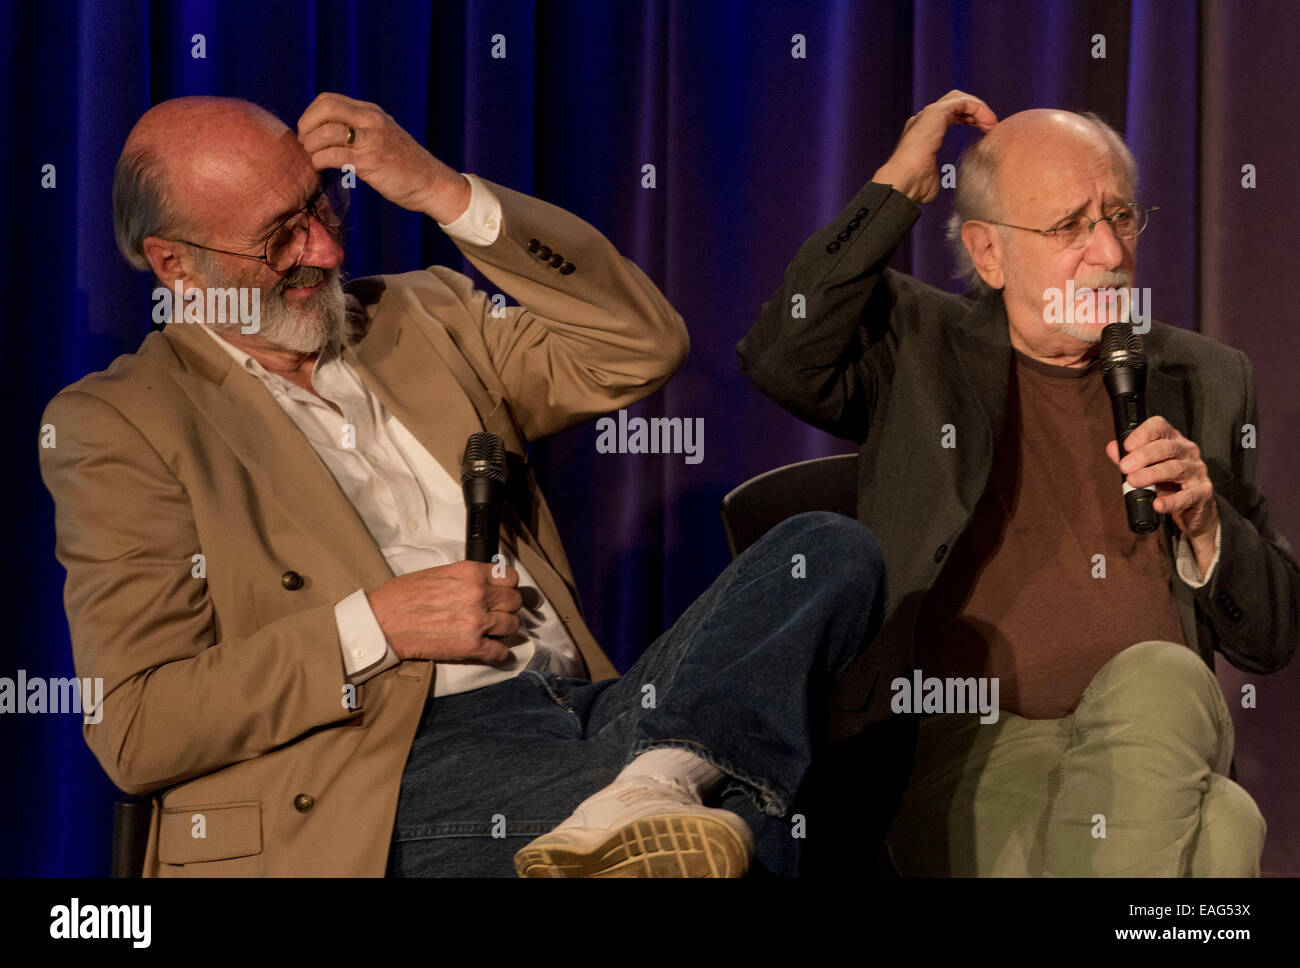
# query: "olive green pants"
{"type": "Point", "coordinates": [1131, 784]}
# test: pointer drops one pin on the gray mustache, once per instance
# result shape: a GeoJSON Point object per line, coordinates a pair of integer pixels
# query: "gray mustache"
{"type": "Point", "coordinates": [1109, 280]}
{"type": "Point", "coordinates": [302, 277]}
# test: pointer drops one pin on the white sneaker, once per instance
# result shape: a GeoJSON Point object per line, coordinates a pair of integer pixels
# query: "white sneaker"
{"type": "Point", "coordinates": [641, 827]}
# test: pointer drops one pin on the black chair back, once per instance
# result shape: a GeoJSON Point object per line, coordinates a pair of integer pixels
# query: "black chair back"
{"type": "Point", "coordinates": [763, 502]}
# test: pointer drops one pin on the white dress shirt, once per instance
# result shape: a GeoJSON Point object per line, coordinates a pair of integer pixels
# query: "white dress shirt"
{"type": "Point", "coordinates": [412, 507]}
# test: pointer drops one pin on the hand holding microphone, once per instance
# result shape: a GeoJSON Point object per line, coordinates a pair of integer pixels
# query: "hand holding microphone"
{"type": "Point", "coordinates": [460, 612]}
{"type": "Point", "coordinates": [1124, 370]}
{"type": "Point", "coordinates": [1161, 466]}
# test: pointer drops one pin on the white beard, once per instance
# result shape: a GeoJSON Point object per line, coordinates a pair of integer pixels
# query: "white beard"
{"type": "Point", "coordinates": [306, 328]}
{"type": "Point", "coordinates": [310, 327]}
{"type": "Point", "coordinates": [1101, 307]}
{"type": "Point", "coordinates": [1083, 332]}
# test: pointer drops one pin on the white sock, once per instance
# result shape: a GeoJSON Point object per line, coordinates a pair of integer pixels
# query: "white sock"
{"type": "Point", "coordinates": [680, 766]}
{"type": "Point", "coordinates": [647, 776]}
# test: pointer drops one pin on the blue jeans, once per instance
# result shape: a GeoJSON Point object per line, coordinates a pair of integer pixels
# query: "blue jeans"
{"type": "Point", "coordinates": [741, 680]}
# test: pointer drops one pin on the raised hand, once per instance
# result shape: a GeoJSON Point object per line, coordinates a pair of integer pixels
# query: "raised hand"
{"type": "Point", "coordinates": [913, 167]}
{"type": "Point", "coordinates": [384, 156]}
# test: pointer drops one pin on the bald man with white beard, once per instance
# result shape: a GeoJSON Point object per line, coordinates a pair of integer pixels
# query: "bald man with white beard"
{"type": "Point", "coordinates": [988, 468]}
{"type": "Point", "coordinates": [265, 537]}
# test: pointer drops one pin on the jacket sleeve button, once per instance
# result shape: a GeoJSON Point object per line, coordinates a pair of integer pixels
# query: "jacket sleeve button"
{"type": "Point", "coordinates": [567, 269]}
{"type": "Point", "coordinates": [533, 245]}
{"type": "Point", "coordinates": [557, 260]}
{"type": "Point", "coordinates": [544, 253]}
{"type": "Point", "coordinates": [291, 580]}
{"type": "Point", "coordinates": [940, 552]}
{"type": "Point", "coordinates": [833, 248]}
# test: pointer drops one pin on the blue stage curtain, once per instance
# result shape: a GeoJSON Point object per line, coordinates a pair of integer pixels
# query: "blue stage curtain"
{"type": "Point", "coordinates": [752, 149]}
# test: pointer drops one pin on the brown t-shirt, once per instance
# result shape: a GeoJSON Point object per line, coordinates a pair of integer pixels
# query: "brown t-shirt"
{"type": "Point", "coordinates": [1018, 598]}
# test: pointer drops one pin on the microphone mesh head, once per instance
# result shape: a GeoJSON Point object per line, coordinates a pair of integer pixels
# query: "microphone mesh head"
{"type": "Point", "coordinates": [1120, 346]}
{"type": "Point", "coordinates": [485, 456]}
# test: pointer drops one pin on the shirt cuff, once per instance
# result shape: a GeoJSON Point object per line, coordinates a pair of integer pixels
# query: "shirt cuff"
{"type": "Point", "coordinates": [480, 224]}
{"type": "Point", "coordinates": [1186, 558]}
{"type": "Point", "coordinates": [365, 650]}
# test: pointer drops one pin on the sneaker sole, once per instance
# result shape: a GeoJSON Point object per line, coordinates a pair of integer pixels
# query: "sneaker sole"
{"type": "Point", "coordinates": [657, 846]}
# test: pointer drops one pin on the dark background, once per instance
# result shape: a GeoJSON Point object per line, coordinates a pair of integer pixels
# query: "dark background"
{"type": "Point", "coordinates": [753, 151]}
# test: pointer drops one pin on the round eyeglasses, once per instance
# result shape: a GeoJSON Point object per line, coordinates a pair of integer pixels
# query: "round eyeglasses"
{"type": "Point", "coordinates": [282, 249]}
{"type": "Point", "coordinates": [1074, 231]}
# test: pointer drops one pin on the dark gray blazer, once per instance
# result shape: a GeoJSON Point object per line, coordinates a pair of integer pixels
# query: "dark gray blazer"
{"type": "Point", "coordinates": [885, 360]}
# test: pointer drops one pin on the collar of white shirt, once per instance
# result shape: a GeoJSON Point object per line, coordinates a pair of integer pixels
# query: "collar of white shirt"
{"type": "Point", "coordinates": [327, 355]}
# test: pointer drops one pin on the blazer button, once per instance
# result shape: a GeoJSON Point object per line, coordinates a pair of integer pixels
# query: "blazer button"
{"type": "Point", "coordinates": [939, 553]}
{"type": "Point", "coordinates": [833, 248]}
{"type": "Point", "coordinates": [1230, 606]}
{"type": "Point", "coordinates": [557, 260]}
{"type": "Point", "coordinates": [567, 269]}
{"type": "Point", "coordinates": [304, 802]}
{"type": "Point", "coordinates": [544, 252]}
{"type": "Point", "coordinates": [533, 245]}
{"type": "Point", "coordinates": [291, 580]}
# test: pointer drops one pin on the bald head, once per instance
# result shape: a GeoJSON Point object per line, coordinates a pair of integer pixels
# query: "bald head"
{"type": "Point", "coordinates": [1020, 131]}
{"type": "Point", "coordinates": [1019, 166]}
{"type": "Point", "coordinates": [1030, 147]}
{"type": "Point", "coordinates": [204, 164]}
{"type": "Point", "coordinates": [205, 121]}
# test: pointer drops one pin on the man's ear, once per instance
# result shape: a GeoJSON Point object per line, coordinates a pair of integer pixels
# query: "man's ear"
{"type": "Point", "coordinates": [985, 248]}
{"type": "Point", "coordinates": [168, 259]}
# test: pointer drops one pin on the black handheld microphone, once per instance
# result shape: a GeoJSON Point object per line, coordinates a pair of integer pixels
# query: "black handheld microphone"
{"type": "Point", "coordinates": [1124, 370]}
{"type": "Point", "coordinates": [483, 479]}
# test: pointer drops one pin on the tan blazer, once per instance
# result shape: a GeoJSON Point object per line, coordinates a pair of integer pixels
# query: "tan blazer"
{"type": "Point", "coordinates": [225, 694]}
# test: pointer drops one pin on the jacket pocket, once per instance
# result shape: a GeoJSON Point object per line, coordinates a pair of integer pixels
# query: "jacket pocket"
{"type": "Point", "coordinates": [194, 834]}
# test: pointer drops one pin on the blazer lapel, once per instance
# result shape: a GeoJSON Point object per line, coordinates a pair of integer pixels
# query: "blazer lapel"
{"type": "Point", "coordinates": [390, 355]}
{"type": "Point", "coordinates": [276, 454]}
{"type": "Point", "coordinates": [981, 345]}
{"type": "Point", "coordinates": [455, 402]}
{"type": "Point", "coordinates": [1165, 396]}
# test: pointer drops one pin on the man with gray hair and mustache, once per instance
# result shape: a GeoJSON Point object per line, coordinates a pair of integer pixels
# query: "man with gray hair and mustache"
{"type": "Point", "coordinates": [988, 469]}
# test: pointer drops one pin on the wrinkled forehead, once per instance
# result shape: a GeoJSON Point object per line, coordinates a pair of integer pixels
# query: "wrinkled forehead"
{"type": "Point", "coordinates": [1063, 174]}
{"type": "Point", "coordinates": [249, 182]}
